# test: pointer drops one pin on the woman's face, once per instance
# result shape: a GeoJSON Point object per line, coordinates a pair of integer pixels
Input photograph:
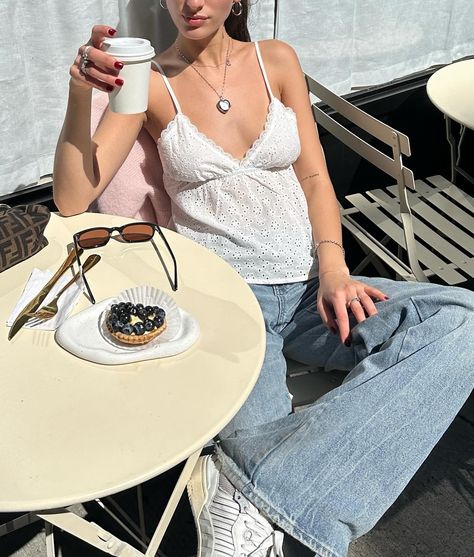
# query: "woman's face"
{"type": "Point", "coordinates": [197, 19]}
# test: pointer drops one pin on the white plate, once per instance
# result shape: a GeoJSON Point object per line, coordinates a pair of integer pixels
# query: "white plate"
{"type": "Point", "coordinates": [81, 335]}
{"type": "Point", "coordinates": [148, 296]}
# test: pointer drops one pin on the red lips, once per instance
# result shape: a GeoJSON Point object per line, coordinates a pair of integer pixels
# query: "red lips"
{"type": "Point", "coordinates": [194, 16]}
{"type": "Point", "coordinates": [194, 20]}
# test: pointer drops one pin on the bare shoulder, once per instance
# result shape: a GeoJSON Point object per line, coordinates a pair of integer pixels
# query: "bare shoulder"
{"type": "Point", "coordinates": [279, 53]}
{"type": "Point", "coordinates": [158, 66]}
{"type": "Point", "coordinates": [165, 63]}
{"type": "Point", "coordinates": [282, 64]}
{"type": "Point", "coordinates": [160, 105]}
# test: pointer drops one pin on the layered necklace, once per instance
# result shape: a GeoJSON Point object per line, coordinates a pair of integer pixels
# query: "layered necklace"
{"type": "Point", "coordinates": [223, 105]}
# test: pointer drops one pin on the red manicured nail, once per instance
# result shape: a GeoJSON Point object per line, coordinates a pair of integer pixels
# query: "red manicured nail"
{"type": "Point", "coordinates": [386, 298]}
{"type": "Point", "coordinates": [111, 32]}
{"type": "Point", "coordinates": [109, 88]}
{"type": "Point", "coordinates": [118, 65]}
{"type": "Point", "coordinates": [119, 82]}
{"type": "Point", "coordinates": [347, 342]}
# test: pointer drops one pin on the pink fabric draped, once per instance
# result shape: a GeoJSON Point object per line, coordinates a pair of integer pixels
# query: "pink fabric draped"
{"type": "Point", "coordinates": [136, 190]}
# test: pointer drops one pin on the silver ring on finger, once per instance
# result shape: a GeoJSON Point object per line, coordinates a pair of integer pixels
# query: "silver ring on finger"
{"type": "Point", "coordinates": [352, 300]}
{"type": "Point", "coordinates": [85, 53]}
{"type": "Point", "coordinates": [83, 67]}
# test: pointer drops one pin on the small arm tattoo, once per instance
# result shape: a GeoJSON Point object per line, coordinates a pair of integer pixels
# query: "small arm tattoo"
{"type": "Point", "coordinates": [308, 177]}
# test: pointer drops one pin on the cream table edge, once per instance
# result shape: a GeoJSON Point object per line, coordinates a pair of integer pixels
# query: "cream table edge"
{"type": "Point", "coordinates": [84, 221]}
{"type": "Point", "coordinates": [441, 82]}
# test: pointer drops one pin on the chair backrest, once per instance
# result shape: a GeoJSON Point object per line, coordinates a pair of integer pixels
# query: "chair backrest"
{"type": "Point", "coordinates": [136, 190]}
{"type": "Point", "coordinates": [393, 165]}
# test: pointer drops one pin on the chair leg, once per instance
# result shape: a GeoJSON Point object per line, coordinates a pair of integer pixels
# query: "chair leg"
{"type": "Point", "coordinates": [141, 513]}
{"type": "Point", "coordinates": [127, 523]}
{"type": "Point", "coordinates": [371, 258]}
{"type": "Point", "coordinates": [172, 504]}
{"type": "Point", "coordinates": [17, 523]}
{"type": "Point", "coordinates": [49, 532]}
{"type": "Point", "coordinates": [453, 147]}
{"type": "Point", "coordinates": [89, 532]}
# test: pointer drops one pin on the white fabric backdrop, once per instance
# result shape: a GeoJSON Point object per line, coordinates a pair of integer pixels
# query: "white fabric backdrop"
{"type": "Point", "coordinates": [356, 43]}
{"type": "Point", "coordinates": [38, 42]}
{"type": "Point", "coordinates": [344, 44]}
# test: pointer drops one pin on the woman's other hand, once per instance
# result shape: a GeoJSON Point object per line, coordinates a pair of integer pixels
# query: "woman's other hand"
{"type": "Point", "coordinates": [94, 68]}
{"type": "Point", "coordinates": [338, 295]}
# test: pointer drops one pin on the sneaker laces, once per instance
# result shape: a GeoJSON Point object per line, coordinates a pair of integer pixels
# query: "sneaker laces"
{"type": "Point", "coordinates": [277, 550]}
{"type": "Point", "coordinates": [273, 542]}
{"type": "Point", "coordinates": [256, 537]}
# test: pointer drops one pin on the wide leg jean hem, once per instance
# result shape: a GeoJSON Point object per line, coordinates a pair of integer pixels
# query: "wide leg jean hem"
{"type": "Point", "coordinates": [245, 486]}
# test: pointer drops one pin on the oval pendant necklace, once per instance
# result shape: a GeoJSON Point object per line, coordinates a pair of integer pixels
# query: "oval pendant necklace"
{"type": "Point", "coordinates": [223, 105]}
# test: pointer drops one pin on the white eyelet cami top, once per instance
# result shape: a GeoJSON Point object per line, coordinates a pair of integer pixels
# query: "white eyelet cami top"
{"type": "Point", "coordinates": [252, 212]}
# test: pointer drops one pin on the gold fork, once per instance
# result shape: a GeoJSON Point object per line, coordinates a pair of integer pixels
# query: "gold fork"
{"type": "Point", "coordinates": [50, 310]}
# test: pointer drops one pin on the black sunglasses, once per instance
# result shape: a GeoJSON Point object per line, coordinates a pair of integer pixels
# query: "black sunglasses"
{"type": "Point", "coordinates": [131, 233]}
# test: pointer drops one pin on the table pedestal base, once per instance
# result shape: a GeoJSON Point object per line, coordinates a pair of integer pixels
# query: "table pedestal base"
{"type": "Point", "coordinates": [455, 146]}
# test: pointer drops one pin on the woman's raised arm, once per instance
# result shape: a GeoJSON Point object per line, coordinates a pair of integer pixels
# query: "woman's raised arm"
{"type": "Point", "coordinates": [84, 166]}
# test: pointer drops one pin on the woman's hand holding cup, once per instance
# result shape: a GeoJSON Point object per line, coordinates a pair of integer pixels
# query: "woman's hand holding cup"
{"type": "Point", "coordinates": [94, 68]}
{"type": "Point", "coordinates": [99, 62]}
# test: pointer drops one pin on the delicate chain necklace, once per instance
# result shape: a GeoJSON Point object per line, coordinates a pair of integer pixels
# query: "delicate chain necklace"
{"type": "Point", "coordinates": [226, 60]}
{"type": "Point", "coordinates": [223, 105]}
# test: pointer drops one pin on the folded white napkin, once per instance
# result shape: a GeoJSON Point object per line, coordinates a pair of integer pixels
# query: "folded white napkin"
{"type": "Point", "coordinates": [66, 303]}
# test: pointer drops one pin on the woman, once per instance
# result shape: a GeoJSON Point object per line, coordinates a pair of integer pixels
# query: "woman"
{"type": "Point", "coordinates": [326, 474]}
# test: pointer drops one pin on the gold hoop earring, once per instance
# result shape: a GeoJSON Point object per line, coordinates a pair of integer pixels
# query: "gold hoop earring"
{"type": "Point", "coordinates": [239, 8]}
{"type": "Point", "coordinates": [163, 6]}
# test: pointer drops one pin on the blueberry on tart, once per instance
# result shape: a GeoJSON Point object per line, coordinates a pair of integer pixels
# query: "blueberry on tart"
{"type": "Point", "coordinates": [135, 323]}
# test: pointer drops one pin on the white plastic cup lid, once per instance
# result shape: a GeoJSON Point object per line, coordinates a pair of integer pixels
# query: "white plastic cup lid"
{"type": "Point", "coordinates": [129, 49]}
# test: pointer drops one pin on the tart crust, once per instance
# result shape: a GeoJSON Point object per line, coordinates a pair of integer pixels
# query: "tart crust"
{"type": "Point", "coordinates": [137, 339]}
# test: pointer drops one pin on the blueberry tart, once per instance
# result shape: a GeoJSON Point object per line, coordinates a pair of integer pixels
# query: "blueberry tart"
{"type": "Point", "coordinates": [135, 323]}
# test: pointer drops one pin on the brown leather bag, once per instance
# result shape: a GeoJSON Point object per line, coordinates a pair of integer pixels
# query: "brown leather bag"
{"type": "Point", "coordinates": [21, 232]}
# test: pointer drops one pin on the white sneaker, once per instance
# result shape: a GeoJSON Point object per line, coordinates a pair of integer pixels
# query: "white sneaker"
{"type": "Point", "coordinates": [228, 525]}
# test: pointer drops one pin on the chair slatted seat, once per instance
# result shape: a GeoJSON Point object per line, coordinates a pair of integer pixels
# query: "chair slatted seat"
{"type": "Point", "coordinates": [444, 248]}
{"type": "Point", "coordinates": [420, 230]}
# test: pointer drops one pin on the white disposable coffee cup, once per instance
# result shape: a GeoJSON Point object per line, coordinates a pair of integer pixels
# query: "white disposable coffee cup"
{"type": "Point", "coordinates": [136, 55]}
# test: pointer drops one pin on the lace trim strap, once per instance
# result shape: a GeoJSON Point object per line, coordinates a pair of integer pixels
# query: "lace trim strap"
{"type": "Point", "coordinates": [168, 86]}
{"type": "Point", "coordinates": [262, 68]}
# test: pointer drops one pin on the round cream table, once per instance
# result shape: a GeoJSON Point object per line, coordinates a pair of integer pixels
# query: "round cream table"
{"type": "Point", "coordinates": [451, 90]}
{"type": "Point", "coordinates": [74, 431]}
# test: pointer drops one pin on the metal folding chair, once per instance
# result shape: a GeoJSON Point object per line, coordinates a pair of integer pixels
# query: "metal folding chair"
{"type": "Point", "coordinates": [420, 229]}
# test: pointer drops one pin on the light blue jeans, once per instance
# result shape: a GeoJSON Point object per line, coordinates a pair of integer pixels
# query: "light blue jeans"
{"type": "Point", "coordinates": [327, 473]}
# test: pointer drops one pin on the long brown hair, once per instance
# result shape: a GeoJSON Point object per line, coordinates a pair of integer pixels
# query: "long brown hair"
{"type": "Point", "coordinates": [236, 25]}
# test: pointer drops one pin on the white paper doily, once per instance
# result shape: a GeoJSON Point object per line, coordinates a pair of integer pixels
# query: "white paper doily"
{"type": "Point", "coordinates": [148, 296]}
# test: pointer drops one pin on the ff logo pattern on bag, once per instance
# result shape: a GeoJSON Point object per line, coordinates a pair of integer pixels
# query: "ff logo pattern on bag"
{"type": "Point", "coordinates": [21, 232]}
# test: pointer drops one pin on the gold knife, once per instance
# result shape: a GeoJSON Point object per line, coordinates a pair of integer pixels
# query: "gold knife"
{"type": "Point", "coordinates": [25, 314]}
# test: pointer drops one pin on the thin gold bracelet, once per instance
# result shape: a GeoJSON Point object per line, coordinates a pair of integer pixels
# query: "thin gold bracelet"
{"type": "Point", "coordinates": [316, 247]}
